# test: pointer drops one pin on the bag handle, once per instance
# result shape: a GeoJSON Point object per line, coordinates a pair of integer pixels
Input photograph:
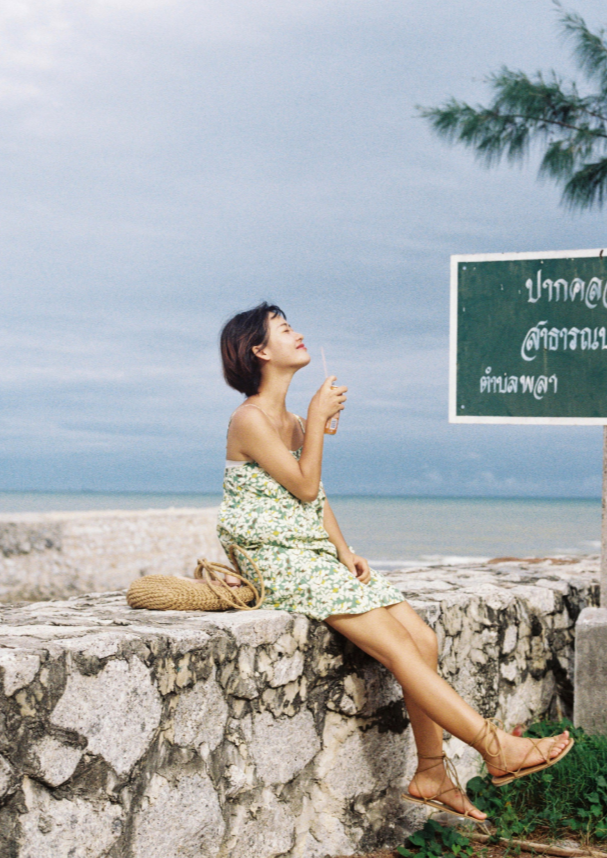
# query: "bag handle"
{"type": "Point", "coordinates": [213, 573]}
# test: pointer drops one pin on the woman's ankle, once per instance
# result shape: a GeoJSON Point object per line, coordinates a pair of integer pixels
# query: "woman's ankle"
{"type": "Point", "coordinates": [489, 742]}
{"type": "Point", "coordinates": [429, 761]}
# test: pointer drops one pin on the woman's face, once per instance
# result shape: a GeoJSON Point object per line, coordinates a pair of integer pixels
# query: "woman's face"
{"type": "Point", "coordinates": [285, 346]}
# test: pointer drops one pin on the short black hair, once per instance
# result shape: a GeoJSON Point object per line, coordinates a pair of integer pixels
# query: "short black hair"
{"type": "Point", "coordinates": [241, 369]}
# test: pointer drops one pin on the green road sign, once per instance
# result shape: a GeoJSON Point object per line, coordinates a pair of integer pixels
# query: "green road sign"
{"type": "Point", "coordinates": [529, 338]}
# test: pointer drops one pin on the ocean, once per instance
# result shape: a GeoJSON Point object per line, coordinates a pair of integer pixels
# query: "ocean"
{"type": "Point", "coordinates": [398, 532]}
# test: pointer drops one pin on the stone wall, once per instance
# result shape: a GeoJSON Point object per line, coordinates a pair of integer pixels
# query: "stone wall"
{"type": "Point", "coordinates": [60, 554]}
{"type": "Point", "coordinates": [134, 734]}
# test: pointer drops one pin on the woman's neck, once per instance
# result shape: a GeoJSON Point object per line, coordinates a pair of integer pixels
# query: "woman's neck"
{"type": "Point", "coordinates": [273, 393]}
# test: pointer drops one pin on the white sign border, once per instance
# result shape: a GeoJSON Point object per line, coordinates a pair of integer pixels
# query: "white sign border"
{"type": "Point", "coordinates": [506, 257]}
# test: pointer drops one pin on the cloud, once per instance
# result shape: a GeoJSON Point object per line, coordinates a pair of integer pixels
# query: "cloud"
{"type": "Point", "coordinates": [167, 164]}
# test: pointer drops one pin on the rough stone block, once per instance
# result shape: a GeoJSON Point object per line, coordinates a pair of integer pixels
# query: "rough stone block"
{"type": "Point", "coordinates": [201, 715]}
{"type": "Point", "coordinates": [95, 706]}
{"type": "Point", "coordinates": [590, 698]}
{"type": "Point", "coordinates": [52, 761]}
{"type": "Point", "coordinates": [5, 776]}
{"type": "Point", "coordinates": [281, 747]}
{"type": "Point", "coordinates": [265, 828]}
{"type": "Point", "coordinates": [19, 668]}
{"type": "Point", "coordinates": [179, 818]}
{"type": "Point", "coordinates": [67, 828]}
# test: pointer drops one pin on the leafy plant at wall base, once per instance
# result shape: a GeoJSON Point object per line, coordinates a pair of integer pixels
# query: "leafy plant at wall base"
{"type": "Point", "coordinates": [568, 797]}
{"type": "Point", "coordinates": [435, 839]}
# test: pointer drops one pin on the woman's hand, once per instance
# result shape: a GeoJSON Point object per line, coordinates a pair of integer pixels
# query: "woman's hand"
{"type": "Point", "coordinates": [327, 400]}
{"type": "Point", "coordinates": [358, 566]}
{"type": "Point", "coordinates": [231, 581]}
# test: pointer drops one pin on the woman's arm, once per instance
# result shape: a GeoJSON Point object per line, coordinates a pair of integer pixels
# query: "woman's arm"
{"type": "Point", "coordinates": [258, 439]}
{"type": "Point", "coordinates": [334, 531]}
{"type": "Point", "coordinates": [357, 565]}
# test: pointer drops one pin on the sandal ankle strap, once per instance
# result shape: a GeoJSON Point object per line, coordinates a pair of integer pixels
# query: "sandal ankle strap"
{"type": "Point", "coordinates": [488, 734]}
{"type": "Point", "coordinates": [450, 773]}
{"type": "Point", "coordinates": [440, 758]}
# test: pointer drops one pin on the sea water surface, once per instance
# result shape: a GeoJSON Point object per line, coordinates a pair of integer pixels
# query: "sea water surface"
{"type": "Point", "coordinates": [398, 531]}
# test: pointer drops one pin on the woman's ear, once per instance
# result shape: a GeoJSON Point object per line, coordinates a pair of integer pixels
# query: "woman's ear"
{"type": "Point", "coordinates": [261, 352]}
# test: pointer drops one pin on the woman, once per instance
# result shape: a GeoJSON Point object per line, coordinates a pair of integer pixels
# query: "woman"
{"type": "Point", "coordinates": [275, 507]}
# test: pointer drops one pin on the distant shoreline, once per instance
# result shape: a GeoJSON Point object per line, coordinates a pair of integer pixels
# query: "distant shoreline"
{"type": "Point", "coordinates": [390, 529]}
{"type": "Point", "coordinates": [371, 496]}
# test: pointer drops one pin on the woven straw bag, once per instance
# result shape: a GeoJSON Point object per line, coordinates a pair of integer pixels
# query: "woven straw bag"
{"type": "Point", "coordinates": [209, 593]}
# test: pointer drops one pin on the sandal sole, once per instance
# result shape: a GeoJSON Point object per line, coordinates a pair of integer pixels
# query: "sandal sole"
{"type": "Point", "coordinates": [507, 779]}
{"type": "Point", "coordinates": [443, 808]}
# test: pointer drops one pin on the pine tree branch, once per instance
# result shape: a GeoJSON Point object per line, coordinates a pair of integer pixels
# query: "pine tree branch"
{"type": "Point", "coordinates": [590, 49]}
{"type": "Point", "coordinates": [594, 114]}
{"type": "Point", "coordinates": [540, 98]}
{"type": "Point", "coordinates": [571, 128]}
{"type": "Point", "coordinates": [545, 121]}
{"type": "Point", "coordinates": [445, 120]}
{"type": "Point", "coordinates": [587, 187]}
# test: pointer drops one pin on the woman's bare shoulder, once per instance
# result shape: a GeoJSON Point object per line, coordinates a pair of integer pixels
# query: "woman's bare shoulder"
{"type": "Point", "coordinates": [248, 428]}
{"type": "Point", "coordinates": [247, 417]}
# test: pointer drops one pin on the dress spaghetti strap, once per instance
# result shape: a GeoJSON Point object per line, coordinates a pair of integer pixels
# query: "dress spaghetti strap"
{"type": "Point", "coordinates": [247, 405]}
{"type": "Point", "coordinates": [252, 405]}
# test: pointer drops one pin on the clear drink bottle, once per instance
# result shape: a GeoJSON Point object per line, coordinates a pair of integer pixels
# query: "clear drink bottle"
{"type": "Point", "coordinates": [333, 422]}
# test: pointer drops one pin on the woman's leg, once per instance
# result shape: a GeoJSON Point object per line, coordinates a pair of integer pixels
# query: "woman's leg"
{"type": "Point", "coordinates": [431, 777]}
{"type": "Point", "coordinates": [428, 734]}
{"type": "Point", "coordinates": [380, 634]}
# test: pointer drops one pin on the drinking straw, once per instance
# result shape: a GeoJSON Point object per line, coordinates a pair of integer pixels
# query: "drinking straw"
{"type": "Point", "coordinates": [324, 361]}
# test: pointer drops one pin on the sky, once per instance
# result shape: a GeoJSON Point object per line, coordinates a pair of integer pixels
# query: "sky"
{"type": "Point", "coordinates": [168, 163]}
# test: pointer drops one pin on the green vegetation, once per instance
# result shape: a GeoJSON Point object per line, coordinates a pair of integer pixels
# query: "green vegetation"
{"type": "Point", "coordinates": [435, 839]}
{"type": "Point", "coordinates": [571, 128]}
{"type": "Point", "coordinates": [569, 799]}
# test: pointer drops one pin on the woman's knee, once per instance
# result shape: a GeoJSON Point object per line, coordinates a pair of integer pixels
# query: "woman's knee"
{"type": "Point", "coordinates": [423, 636]}
{"type": "Point", "coordinates": [427, 643]}
{"type": "Point", "coordinates": [397, 644]}
{"type": "Point", "coordinates": [382, 636]}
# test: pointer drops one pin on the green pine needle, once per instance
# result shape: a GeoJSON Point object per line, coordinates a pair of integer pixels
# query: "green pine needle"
{"type": "Point", "coordinates": [570, 129]}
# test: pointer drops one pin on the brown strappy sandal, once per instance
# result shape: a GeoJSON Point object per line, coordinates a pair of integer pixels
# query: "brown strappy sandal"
{"type": "Point", "coordinates": [431, 801]}
{"type": "Point", "coordinates": [488, 734]}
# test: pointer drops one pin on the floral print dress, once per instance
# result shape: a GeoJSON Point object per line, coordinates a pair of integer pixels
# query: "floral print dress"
{"type": "Point", "coordinates": [287, 540]}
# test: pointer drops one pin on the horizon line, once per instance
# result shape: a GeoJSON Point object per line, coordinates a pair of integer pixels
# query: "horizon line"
{"type": "Point", "coordinates": [160, 493]}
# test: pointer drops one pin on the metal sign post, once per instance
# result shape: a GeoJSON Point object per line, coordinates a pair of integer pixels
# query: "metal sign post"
{"type": "Point", "coordinates": [604, 525]}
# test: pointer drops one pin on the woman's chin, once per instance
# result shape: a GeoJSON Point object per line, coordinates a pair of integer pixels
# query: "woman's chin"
{"type": "Point", "coordinates": [302, 359]}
